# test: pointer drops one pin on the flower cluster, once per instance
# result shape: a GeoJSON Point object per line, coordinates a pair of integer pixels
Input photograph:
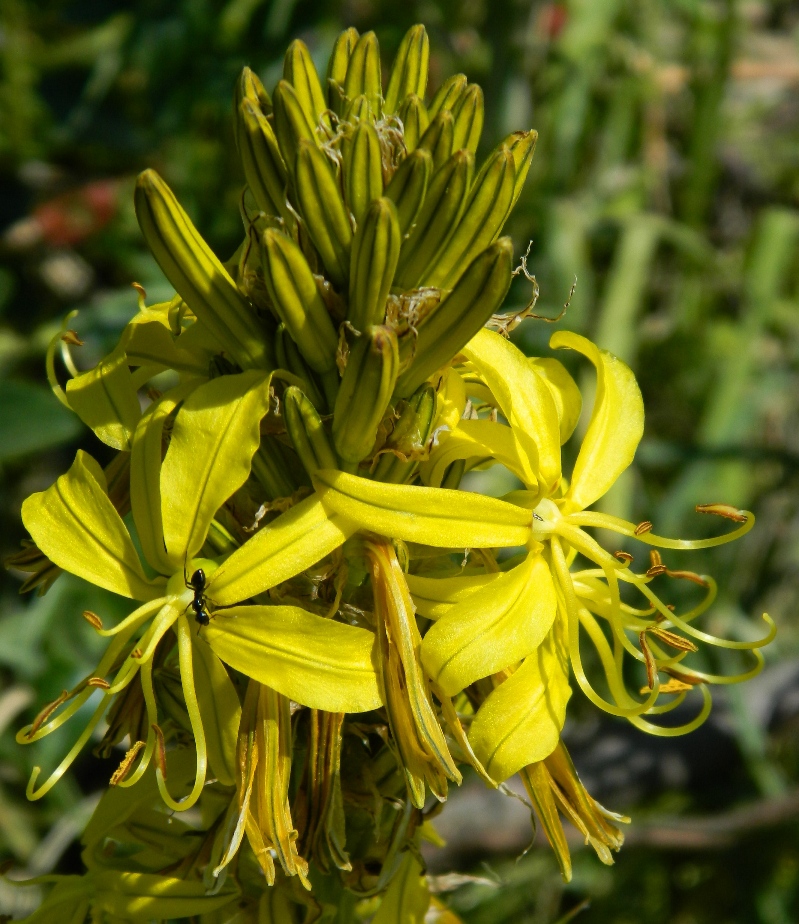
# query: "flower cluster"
{"type": "Point", "coordinates": [328, 629]}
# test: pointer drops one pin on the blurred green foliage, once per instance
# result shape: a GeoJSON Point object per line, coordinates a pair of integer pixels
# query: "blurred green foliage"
{"type": "Point", "coordinates": [665, 184]}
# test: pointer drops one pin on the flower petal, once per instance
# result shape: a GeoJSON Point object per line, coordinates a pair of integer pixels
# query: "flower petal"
{"type": "Point", "coordinates": [433, 597]}
{"type": "Point", "coordinates": [141, 897]}
{"type": "Point", "coordinates": [526, 401]}
{"type": "Point", "coordinates": [105, 399]}
{"type": "Point", "coordinates": [220, 711]}
{"type": "Point", "coordinates": [616, 427]}
{"type": "Point", "coordinates": [565, 391]}
{"type": "Point", "coordinates": [520, 721]}
{"type": "Point", "coordinates": [493, 628]}
{"type": "Point", "coordinates": [314, 661]}
{"type": "Point", "coordinates": [76, 526]}
{"type": "Point", "coordinates": [215, 435]}
{"type": "Point", "coordinates": [476, 440]}
{"type": "Point", "coordinates": [431, 516]}
{"type": "Point", "coordinates": [145, 477]}
{"type": "Point", "coordinates": [297, 539]}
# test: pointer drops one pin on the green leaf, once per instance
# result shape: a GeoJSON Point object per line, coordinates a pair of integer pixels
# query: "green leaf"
{"type": "Point", "coordinates": [407, 898]}
{"type": "Point", "coordinates": [314, 661]}
{"type": "Point", "coordinates": [31, 420]}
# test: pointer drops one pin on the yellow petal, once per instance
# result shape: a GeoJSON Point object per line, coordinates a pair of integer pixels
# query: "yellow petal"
{"type": "Point", "coordinates": [526, 402]}
{"type": "Point", "coordinates": [151, 343]}
{"type": "Point", "coordinates": [434, 597]}
{"type": "Point", "coordinates": [568, 399]}
{"type": "Point", "coordinates": [616, 427]}
{"type": "Point", "coordinates": [220, 711]}
{"type": "Point", "coordinates": [105, 399]}
{"type": "Point", "coordinates": [450, 401]}
{"type": "Point", "coordinates": [76, 526]}
{"type": "Point", "coordinates": [520, 721]}
{"type": "Point", "coordinates": [215, 435]}
{"type": "Point", "coordinates": [431, 516]}
{"type": "Point", "coordinates": [314, 661]}
{"type": "Point", "coordinates": [145, 477]}
{"type": "Point", "coordinates": [493, 628]}
{"type": "Point", "coordinates": [476, 441]}
{"type": "Point", "coordinates": [297, 539]}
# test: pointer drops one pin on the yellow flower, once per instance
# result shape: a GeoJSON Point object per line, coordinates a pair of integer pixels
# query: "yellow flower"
{"type": "Point", "coordinates": [318, 662]}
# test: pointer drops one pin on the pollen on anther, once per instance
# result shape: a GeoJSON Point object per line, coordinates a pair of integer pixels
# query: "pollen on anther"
{"type": "Point", "coordinates": [122, 770]}
{"type": "Point", "coordinates": [723, 510]}
{"type": "Point", "coordinates": [93, 619]}
{"type": "Point", "coordinates": [642, 528]}
{"type": "Point", "coordinates": [98, 682]}
{"type": "Point", "coordinates": [624, 556]}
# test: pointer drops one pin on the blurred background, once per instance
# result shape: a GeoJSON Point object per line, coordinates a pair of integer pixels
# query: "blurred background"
{"type": "Point", "coordinates": [665, 183]}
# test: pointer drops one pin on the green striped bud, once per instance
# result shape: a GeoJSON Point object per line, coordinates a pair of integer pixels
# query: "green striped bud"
{"type": "Point", "coordinates": [415, 120]}
{"type": "Point", "coordinates": [477, 295]}
{"type": "Point", "coordinates": [441, 211]}
{"type": "Point", "coordinates": [337, 68]}
{"type": "Point", "coordinates": [198, 276]}
{"type": "Point", "coordinates": [300, 72]}
{"type": "Point", "coordinates": [363, 73]}
{"type": "Point", "coordinates": [292, 124]}
{"type": "Point", "coordinates": [261, 160]}
{"type": "Point", "coordinates": [249, 87]}
{"type": "Point", "coordinates": [365, 393]}
{"type": "Point", "coordinates": [355, 111]}
{"type": "Point", "coordinates": [409, 437]}
{"type": "Point", "coordinates": [297, 302]}
{"type": "Point", "coordinates": [288, 357]}
{"type": "Point", "coordinates": [486, 209]}
{"type": "Point", "coordinates": [324, 211]}
{"type": "Point", "coordinates": [363, 170]}
{"type": "Point", "coordinates": [438, 139]}
{"type": "Point", "coordinates": [409, 73]}
{"type": "Point", "coordinates": [468, 114]}
{"type": "Point", "coordinates": [448, 94]}
{"type": "Point", "coordinates": [408, 187]}
{"type": "Point", "coordinates": [522, 146]}
{"type": "Point", "coordinates": [375, 252]}
{"type": "Point", "coordinates": [307, 432]}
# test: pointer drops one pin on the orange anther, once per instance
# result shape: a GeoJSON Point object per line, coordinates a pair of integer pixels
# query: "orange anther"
{"type": "Point", "coordinates": [723, 510]}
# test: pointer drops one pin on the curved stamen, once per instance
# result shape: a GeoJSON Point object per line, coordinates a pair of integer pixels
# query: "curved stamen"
{"type": "Point", "coordinates": [106, 662]}
{"type": "Point", "coordinates": [678, 730]}
{"type": "Point", "coordinates": [569, 601]}
{"type": "Point", "coordinates": [31, 792]}
{"type": "Point", "coordinates": [591, 549]}
{"type": "Point", "coordinates": [688, 629]}
{"type": "Point", "coordinates": [198, 733]}
{"type": "Point", "coordinates": [625, 528]}
{"type": "Point", "coordinates": [135, 619]}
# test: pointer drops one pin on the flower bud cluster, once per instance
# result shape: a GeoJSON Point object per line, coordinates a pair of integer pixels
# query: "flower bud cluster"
{"type": "Point", "coordinates": [328, 628]}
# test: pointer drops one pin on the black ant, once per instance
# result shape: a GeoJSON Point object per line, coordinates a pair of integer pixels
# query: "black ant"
{"type": "Point", "coordinates": [199, 603]}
